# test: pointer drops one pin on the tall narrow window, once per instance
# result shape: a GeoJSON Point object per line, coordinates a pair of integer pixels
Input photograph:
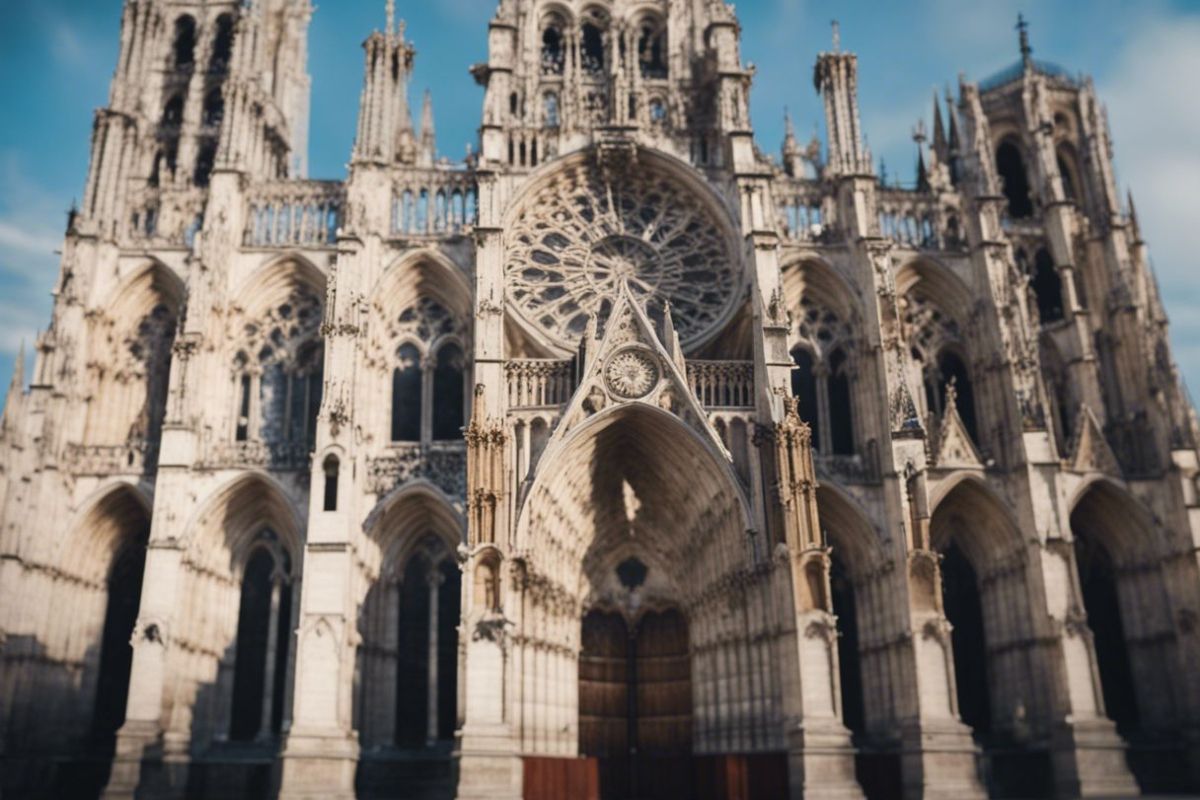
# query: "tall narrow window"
{"type": "Point", "coordinates": [222, 49]}
{"type": "Point", "coordinates": [412, 673]}
{"type": "Point", "coordinates": [243, 420]}
{"type": "Point", "coordinates": [214, 109]}
{"type": "Point", "coordinates": [173, 112]}
{"type": "Point", "coordinates": [331, 484]}
{"type": "Point", "coordinates": [553, 53]}
{"type": "Point", "coordinates": [804, 387]}
{"type": "Point", "coordinates": [841, 415]}
{"type": "Point", "coordinates": [260, 666]}
{"type": "Point", "coordinates": [204, 163]}
{"type": "Point", "coordinates": [591, 50]}
{"type": "Point", "coordinates": [550, 109]}
{"type": "Point", "coordinates": [652, 50]}
{"type": "Point", "coordinates": [406, 395]}
{"type": "Point", "coordinates": [448, 393]}
{"type": "Point", "coordinates": [184, 49]}
{"type": "Point", "coordinates": [1047, 288]}
{"type": "Point", "coordinates": [1011, 167]}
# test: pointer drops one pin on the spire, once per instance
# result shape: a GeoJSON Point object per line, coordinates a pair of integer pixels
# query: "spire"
{"type": "Point", "coordinates": [835, 78]}
{"type": "Point", "coordinates": [428, 152]}
{"type": "Point", "coordinates": [390, 11]}
{"type": "Point", "coordinates": [940, 148]}
{"type": "Point", "coordinates": [922, 173]}
{"type": "Point", "coordinates": [1133, 218]}
{"type": "Point", "coordinates": [18, 375]}
{"type": "Point", "coordinates": [384, 121]}
{"type": "Point", "coordinates": [953, 136]}
{"type": "Point", "coordinates": [792, 153]}
{"type": "Point", "coordinates": [1023, 36]}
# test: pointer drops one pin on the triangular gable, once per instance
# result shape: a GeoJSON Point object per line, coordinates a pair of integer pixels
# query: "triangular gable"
{"type": "Point", "coordinates": [630, 363]}
{"type": "Point", "coordinates": [955, 449]}
{"type": "Point", "coordinates": [1089, 449]}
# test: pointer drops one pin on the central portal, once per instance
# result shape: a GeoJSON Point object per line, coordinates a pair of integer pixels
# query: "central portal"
{"type": "Point", "coordinates": [635, 703]}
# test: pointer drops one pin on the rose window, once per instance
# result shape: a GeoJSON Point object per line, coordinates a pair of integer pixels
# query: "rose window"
{"type": "Point", "coordinates": [580, 236]}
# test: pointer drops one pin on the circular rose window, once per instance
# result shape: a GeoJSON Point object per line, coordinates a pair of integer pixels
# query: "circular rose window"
{"type": "Point", "coordinates": [581, 235]}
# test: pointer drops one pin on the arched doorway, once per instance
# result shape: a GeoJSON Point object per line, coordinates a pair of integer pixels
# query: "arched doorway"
{"type": "Point", "coordinates": [635, 703]}
{"type": "Point", "coordinates": [1004, 689]}
{"type": "Point", "coordinates": [1127, 610]}
{"type": "Point", "coordinates": [676, 655]}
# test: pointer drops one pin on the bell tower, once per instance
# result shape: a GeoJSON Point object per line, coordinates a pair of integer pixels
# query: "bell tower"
{"type": "Point", "coordinates": [667, 75]}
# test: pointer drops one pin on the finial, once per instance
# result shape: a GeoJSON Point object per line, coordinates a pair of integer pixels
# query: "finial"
{"type": "Point", "coordinates": [391, 17]}
{"type": "Point", "coordinates": [1023, 30]}
{"type": "Point", "coordinates": [837, 36]}
{"type": "Point", "coordinates": [918, 133]}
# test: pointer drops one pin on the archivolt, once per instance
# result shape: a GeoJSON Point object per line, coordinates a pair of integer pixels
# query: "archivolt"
{"type": "Point", "coordinates": [402, 520]}
{"type": "Point", "coordinates": [225, 529]}
{"type": "Point", "coordinates": [634, 473]}
{"type": "Point", "coordinates": [105, 527]}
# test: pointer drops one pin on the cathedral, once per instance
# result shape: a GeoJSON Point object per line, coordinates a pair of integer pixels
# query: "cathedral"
{"type": "Point", "coordinates": [620, 460]}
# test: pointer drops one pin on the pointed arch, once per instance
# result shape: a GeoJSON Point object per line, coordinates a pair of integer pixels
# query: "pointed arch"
{"type": "Point", "coordinates": [277, 278]}
{"type": "Point", "coordinates": [848, 529]}
{"type": "Point", "coordinates": [226, 526]}
{"type": "Point", "coordinates": [408, 613]}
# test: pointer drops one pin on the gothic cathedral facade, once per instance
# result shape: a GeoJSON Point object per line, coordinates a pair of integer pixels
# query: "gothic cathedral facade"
{"type": "Point", "coordinates": [619, 460]}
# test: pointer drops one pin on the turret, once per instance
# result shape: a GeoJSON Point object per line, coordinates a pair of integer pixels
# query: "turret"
{"type": "Point", "coordinates": [385, 134]}
{"type": "Point", "coordinates": [836, 80]}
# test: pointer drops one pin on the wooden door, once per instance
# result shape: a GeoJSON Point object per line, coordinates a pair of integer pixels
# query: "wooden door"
{"type": "Point", "coordinates": [604, 700]}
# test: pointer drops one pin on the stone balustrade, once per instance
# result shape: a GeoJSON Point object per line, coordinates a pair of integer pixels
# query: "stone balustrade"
{"type": "Point", "coordinates": [540, 382]}
{"type": "Point", "coordinates": [803, 213]}
{"type": "Point", "coordinates": [165, 217]}
{"type": "Point", "coordinates": [295, 213]}
{"type": "Point", "coordinates": [722, 384]}
{"type": "Point", "coordinates": [276, 455]}
{"type": "Point", "coordinates": [427, 202]}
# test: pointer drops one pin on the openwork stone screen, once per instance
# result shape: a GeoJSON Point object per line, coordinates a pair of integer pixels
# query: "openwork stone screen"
{"type": "Point", "coordinates": [583, 233]}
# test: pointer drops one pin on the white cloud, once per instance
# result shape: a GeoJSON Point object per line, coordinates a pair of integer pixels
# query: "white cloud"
{"type": "Point", "coordinates": [1155, 119]}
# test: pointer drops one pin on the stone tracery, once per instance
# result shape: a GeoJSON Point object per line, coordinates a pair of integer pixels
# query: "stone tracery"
{"type": "Point", "coordinates": [585, 232]}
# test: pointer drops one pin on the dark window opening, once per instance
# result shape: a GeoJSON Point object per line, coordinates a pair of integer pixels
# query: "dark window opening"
{"type": "Point", "coordinates": [1098, 580]}
{"type": "Point", "coordinates": [1047, 288]}
{"type": "Point", "coordinates": [331, 484]}
{"type": "Point", "coordinates": [513, 103]}
{"type": "Point", "coordinates": [214, 109]}
{"type": "Point", "coordinates": [1068, 180]}
{"type": "Point", "coordinates": [553, 54]}
{"type": "Point", "coordinates": [652, 52]}
{"type": "Point", "coordinates": [841, 414]}
{"type": "Point", "coordinates": [116, 653]}
{"type": "Point", "coordinates": [964, 610]}
{"type": "Point", "coordinates": [243, 423]}
{"type": "Point", "coordinates": [591, 49]}
{"type": "Point", "coordinates": [172, 115]}
{"type": "Point", "coordinates": [264, 620]}
{"type": "Point", "coordinates": [205, 162]}
{"type": "Point", "coordinates": [412, 669]}
{"type": "Point", "coordinates": [184, 48]}
{"type": "Point", "coordinates": [222, 51]}
{"type": "Point", "coordinates": [844, 607]}
{"type": "Point", "coordinates": [1014, 180]}
{"type": "Point", "coordinates": [448, 393]}
{"type": "Point", "coordinates": [804, 388]}
{"type": "Point", "coordinates": [406, 396]}
{"type": "Point", "coordinates": [449, 600]}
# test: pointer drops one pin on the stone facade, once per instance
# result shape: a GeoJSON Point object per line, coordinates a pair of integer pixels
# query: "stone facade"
{"type": "Point", "coordinates": [620, 440]}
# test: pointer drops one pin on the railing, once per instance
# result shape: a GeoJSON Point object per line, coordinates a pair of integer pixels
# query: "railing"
{"type": "Point", "coordinates": [722, 384]}
{"type": "Point", "coordinates": [845, 469]}
{"type": "Point", "coordinates": [295, 213]}
{"type": "Point", "coordinates": [433, 201]}
{"type": "Point", "coordinates": [803, 214]}
{"type": "Point", "coordinates": [443, 466]}
{"type": "Point", "coordinates": [540, 382]}
{"type": "Point", "coordinates": [166, 218]}
{"type": "Point", "coordinates": [133, 458]}
{"type": "Point", "coordinates": [913, 219]}
{"type": "Point", "coordinates": [277, 455]}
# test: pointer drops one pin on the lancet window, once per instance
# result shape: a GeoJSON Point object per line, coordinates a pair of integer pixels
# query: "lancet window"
{"type": "Point", "coordinates": [222, 49]}
{"type": "Point", "coordinates": [427, 663]}
{"type": "Point", "coordinates": [278, 371]}
{"type": "Point", "coordinates": [822, 378]}
{"type": "Point", "coordinates": [1010, 165]}
{"type": "Point", "coordinates": [652, 48]}
{"type": "Point", "coordinates": [938, 349]}
{"type": "Point", "coordinates": [263, 634]}
{"type": "Point", "coordinates": [554, 50]}
{"type": "Point", "coordinates": [1047, 287]}
{"type": "Point", "coordinates": [183, 50]}
{"type": "Point", "coordinates": [428, 374]}
{"type": "Point", "coordinates": [593, 35]}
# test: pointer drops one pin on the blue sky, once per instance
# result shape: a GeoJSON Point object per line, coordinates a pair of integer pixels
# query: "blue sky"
{"type": "Point", "coordinates": [57, 56]}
